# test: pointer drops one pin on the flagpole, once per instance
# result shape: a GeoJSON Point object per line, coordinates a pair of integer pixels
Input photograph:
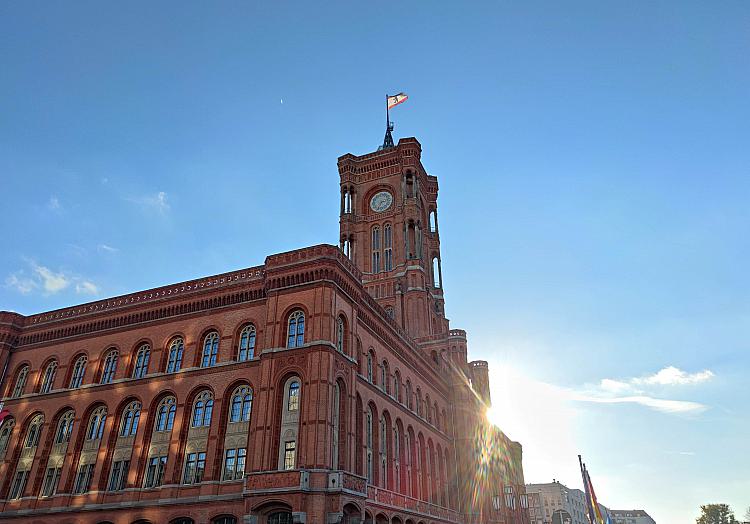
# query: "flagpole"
{"type": "Point", "coordinates": [387, 112]}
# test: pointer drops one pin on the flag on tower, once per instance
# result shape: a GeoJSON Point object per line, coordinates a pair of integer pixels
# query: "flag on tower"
{"type": "Point", "coordinates": [395, 100]}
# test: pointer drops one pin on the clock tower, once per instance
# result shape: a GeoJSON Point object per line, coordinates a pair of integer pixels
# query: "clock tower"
{"type": "Point", "coordinates": [389, 229]}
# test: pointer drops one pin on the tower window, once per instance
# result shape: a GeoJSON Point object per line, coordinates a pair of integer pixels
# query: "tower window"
{"type": "Point", "coordinates": [290, 454]}
{"type": "Point", "coordinates": [174, 362]}
{"type": "Point", "coordinates": [141, 361]}
{"type": "Point", "coordinates": [48, 379]}
{"type": "Point", "coordinates": [110, 367]}
{"type": "Point", "coordinates": [210, 350]}
{"type": "Point", "coordinates": [247, 343]}
{"type": "Point", "coordinates": [203, 409]}
{"type": "Point", "coordinates": [296, 330]}
{"type": "Point", "coordinates": [376, 249]}
{"type": "Point", "coordinates": [388, 251]}
{"type": "Point", "coordinates": [79, 369]}
{"type": "Point", "coordinates": [293, 403]}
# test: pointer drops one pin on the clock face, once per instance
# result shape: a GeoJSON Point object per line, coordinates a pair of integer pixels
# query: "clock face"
{"type": "Point", "coordinates": [381, 201]}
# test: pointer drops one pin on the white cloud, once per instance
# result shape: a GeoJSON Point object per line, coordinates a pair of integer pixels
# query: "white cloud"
{"type": "Point", "coordinates": [157, 202]}
{"type": "Point", "coordinates": [54, 203]}
{"type": "Point", "coordinates": [658, 404]}
{"type": "Point", "coordinates": [671, 376]}
{"type": "Point", "coordinates": [106, 248]}
{"type": "Point", "coordinates": [23, 285]}
{"type": "Point", "coordinates": [87, 287]}
{"type": "Point", "coordinates": [634, 390]}
{"type": "Point", "coordinates": [49, 282]}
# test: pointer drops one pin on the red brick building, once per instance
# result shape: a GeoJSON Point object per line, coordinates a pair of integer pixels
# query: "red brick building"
{"type": "Point", "coordinates": [322, 387]}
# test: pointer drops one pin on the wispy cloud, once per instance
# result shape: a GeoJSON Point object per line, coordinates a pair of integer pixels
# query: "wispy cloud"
{"type": "Point", "coordinates": [658, 404]}
{"type": "Point", "coordinates": [54, 203]}
{"type": "Point", "coordinates": [672, 376]}
{"type": "Point", "coordinates": [157, 202]}
{"type": "Point", "coordinates": [106, 248]}
{"type": "Point", "coordinates": [43, 279]}
{"type": "Point", "coordinates": [87, 287]}
{"type": "Point", "coordinates": [635, 390]}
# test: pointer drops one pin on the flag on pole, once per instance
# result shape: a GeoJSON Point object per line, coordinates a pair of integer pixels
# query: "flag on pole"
{"type": "Point", "coordinates": [594, 503]}
{"type": "Point", "coordinates": [592, 506]}
{"type": "Point", "coordinates": [395, 100]}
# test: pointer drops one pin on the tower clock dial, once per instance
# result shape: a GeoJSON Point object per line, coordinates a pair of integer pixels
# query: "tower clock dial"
{"type": "Point", "coordinates": [381, 201]}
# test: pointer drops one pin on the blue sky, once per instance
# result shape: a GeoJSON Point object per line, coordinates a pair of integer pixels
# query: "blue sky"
{"type": "Point", "coordinates": [593, 168]}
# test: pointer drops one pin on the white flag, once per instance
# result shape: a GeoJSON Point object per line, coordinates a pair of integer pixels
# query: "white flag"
{"type": "Point", "coordinates": [395, 100]}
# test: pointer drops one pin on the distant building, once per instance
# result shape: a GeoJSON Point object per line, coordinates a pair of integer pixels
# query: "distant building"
{"type": "Point", "coordinates": [631, 516]}
{"type": "Point", "coordinates": [545, 499]}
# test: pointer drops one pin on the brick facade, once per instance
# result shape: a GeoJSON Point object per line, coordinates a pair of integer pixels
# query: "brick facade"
{"type": "Point", "coordinates": [332, 372]}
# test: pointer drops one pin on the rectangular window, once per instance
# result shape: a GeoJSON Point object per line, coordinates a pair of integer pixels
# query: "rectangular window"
{"type": "Point", "coordinates": [234, 463]}
{"type": "Point", "coordinates": [510, 501]}
{"type": "Point", "coordinates": [195, 465]}
{"type": "Point", "coordinates": [19, 485]}
{"type": "Point", "coordinates": [155, 471]}
{"type": "Point", "coordinates": [290, 454]}
{"type": "Point", "coordinates": [51, 479]}
{"type": "Point", "coordinates": [119, 475]}
{"type": "Point", "coordinates": [524, 501]}
{"type": "Point", "coordinates": [497, 503]}
{"type": "Point", "coordinates": [83, 479]}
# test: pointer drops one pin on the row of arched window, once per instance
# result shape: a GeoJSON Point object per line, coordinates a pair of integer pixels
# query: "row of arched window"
{"type": "Point", "coordinates": [413, 400]}
{"type": "Point", "coordinates": [398, 459]}
{"type": "Point", "coordinates": [141, 364]}
{"type": "Point", "coordinates": [239, 411]}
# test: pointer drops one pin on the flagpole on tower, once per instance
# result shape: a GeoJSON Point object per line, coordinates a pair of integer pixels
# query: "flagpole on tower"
{"type": "Point", "coordinates": [388, 140]}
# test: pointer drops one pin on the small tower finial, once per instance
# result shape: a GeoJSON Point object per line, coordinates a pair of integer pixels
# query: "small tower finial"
{"type": "Point", "coordinates": [388, 140]}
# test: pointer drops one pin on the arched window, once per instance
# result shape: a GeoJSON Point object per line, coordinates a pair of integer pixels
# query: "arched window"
{"type": "Point", "coordinates": [289, 427]}
{"type": "Point", "coordinates": [224, 519]}
{"type": "Point", "coordinates": [242, 404]}
{"type": "Point", "coordinates": [428, 409]}
{"type": "Point", "coordinates": [34, 432]}
{"type": "Point", "coordinates": [79, 369]}
{"type": "Point", "coordinates": [335, 417]}
{"type": "Point", "coordinates": [182, 520]}
{"type": "Point", "coordinates": [369, 368]}
{"type": "Point", "coordinates": [174, 361]}
{"type": "Point", "coordinates": [296, 331]}
{"type": "Point", "coordinates": [97, 420]}
{"type": "Point", "coordinates": [6, 429]}
{"type": "Point", "coordinates": [23, 374]}
{"type": "Point", "coordinates": [390, 312]}
{"type": "Point", "coordinates": [376, 249]}
{"type": "Point", "coordinates": [165, 414]}
{"type": "Point", "coordinates": [293, 404]}
{"type": "Point", "coordinates": [130, 418]}
{"type": "Point", "coordinates": [247, 343]}
{"type": "Point", "coordinates": [280, 517]}
{"type": "Point", "coordinates": [64, 427]}
{"type": "Point", "coordinates": [210, 350]}
{"type": "Point", "coordinates": [397, 385]}
{"type": "Point", "coordinates": [368, 443]}
{"type": "Point", "coordinates": [397, 457]}
{"type": "Point", "coordinates": [142, 359]}
{"type": "Point", "coordinates": [110, 367]}
{"type": "Point", "coordinates": [204, 406]}
{"type": "Point", "coordinates": [48, 379]}
{"type": "Point", "coordinates": [419, 402]}
{"type": "Point", "coordinates": [384, 376]}
{"type": "Point", "coordinates": [408, 394]}
{"type": "Point", "coordinates": [340, 334]}
{"type": "Point", "coordinates": [388, 251]}
{"type": "Point", "coordinates": [436, 272]}
{"type": "Point", "coordinates": [383, 462]}
{"type": "Point", "coordinates": [433, 221]}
